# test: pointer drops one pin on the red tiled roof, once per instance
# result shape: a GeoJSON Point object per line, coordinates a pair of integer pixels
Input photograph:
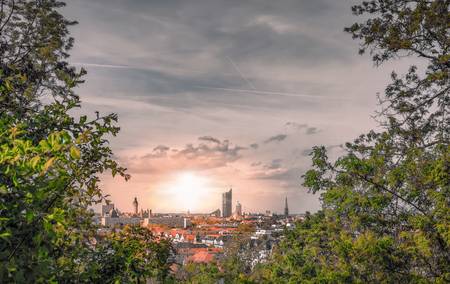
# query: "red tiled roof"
{"type": "Point", "coordinates": [201, 256]}
{"type": "Point", "coordinates": [189, 237]}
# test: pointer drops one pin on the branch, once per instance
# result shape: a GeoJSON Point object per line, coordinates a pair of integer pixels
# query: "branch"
{"type": "Point", "coordinates": [9, 16]}
{"type": "Point", "coordinates": [382, 187]}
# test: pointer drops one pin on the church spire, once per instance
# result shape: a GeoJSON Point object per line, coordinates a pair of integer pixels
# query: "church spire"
{"type": "Point", "coordinates": [286, 208]}
{"type": "Point", "coordinates": [136, 206]}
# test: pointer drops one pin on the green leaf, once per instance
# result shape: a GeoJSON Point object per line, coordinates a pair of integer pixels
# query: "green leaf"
{"type": "Point", "coordinates": [34, 161]}
{"type": "Point", "coordinates": [5, 235]}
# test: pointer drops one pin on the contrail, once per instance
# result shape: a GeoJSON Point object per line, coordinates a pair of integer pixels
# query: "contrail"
{"type": "Point", "coordinates": [102, 65]}
{"type": "Point", "coordinates": [144, 68]}
{"type": "Point", "coordinates": [261, 92]}
{"type": "Point", "coordinates": [240, 73]}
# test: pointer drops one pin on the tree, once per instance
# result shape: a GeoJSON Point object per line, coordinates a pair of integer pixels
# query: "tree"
{"type": "Point", "coordinates": [386, 202]}
{"type": "Point", "coordinates": [50, 161]}
{"type": "Point", "coordinates": [132, 255]}
{"type": "Point", "coordinates": [199, 273]}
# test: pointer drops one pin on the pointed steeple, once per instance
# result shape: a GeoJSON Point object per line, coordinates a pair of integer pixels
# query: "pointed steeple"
{"type": "Point", "coordinates": [135, 206]}
{"type": "Point", "coordinates": [286, 208]}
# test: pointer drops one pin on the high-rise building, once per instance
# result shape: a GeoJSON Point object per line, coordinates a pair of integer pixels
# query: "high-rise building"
{"type": "Point", "coordinates": [238, 209]}
{"type": "Point", "coordinates": [286, 208]}
{"type": "Point", "coordinates": [135, 206]}
{"type": "Point", "coordinates": [227, 199]}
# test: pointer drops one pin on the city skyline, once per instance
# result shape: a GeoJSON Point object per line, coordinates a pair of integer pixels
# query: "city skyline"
{"type": "Point", "coordinates": [226, 201]}
{"type": "Point", "coordinates": [228, 96]}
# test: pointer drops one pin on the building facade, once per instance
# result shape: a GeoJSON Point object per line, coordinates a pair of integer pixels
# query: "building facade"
{"type": "Point", "coordinates": [227, 201]}
{"type": "Point", "coordinates": [173, 222]}
{"type": "Point", "coordinates": [238, 209]}
{"type": "Point", "coordinates": [115, 220]}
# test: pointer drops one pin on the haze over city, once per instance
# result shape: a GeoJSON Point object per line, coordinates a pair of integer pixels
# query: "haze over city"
{"type": "Point", "coordinates": [212, 96]}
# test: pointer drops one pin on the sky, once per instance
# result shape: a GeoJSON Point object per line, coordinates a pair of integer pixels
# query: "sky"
{"type": "Point", "coordinates": [213, 94]}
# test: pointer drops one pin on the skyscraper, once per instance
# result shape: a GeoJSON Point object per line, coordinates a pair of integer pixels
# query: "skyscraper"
{"type": "Point", "coordinates": [286, 208]}
{"type": "Point", "coordinates": [227, 198]}
{"type": "Point", "coordinates": [135, 205]}
{"type": "Point", "coordinates": [238, 209]}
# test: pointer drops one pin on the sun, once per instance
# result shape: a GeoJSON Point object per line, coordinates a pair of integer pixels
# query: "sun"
{"type": "Point", "coordinates": [188, 190]}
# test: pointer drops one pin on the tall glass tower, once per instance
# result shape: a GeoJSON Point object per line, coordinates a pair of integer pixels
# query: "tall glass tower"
{"type": "Point", "coordinates": [227, 198]}
{"type": "Point", "coordinates": [286, 208]}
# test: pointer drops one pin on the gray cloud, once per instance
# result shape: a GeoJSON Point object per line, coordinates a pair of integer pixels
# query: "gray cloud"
{"type": "Point", "coordinates": [218, 151]}
{"type": "Point", "coordinates": [150, 49]}
{"type": "Point", "coordinates": [210, 139]}
{"type": "Point", "coordinates": [158, 152]}
{"type": "Point", "coordinates": [308, 130]}
{"type": "Point", "coordinates": [274, 164]}
{"type": "Point", "coordinates": [254, 145]}
{"type": "Point", "coordinates": [311, 130]}
{"type": "Point", "coordinates": [289, 176]}
{"type": "Point", "coordinates": [208, 154]}
{"type": "Point", "coordinates": [296, 126]}
{"type": "Point", "coordinates": [255, 164]}
{"type": "Point", "coordinates": [276, 138]}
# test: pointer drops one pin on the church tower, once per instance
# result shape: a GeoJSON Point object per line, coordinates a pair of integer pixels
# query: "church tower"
{"type": "Point", "coordinates": [286, 208]}
{"type": "Point", "coordinates": [135, 206]}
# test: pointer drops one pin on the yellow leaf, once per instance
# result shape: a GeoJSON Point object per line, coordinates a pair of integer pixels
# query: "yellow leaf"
{"type": "Point", "coordinates": [48, 164]}
{"type": "Point", "coordinates": [14, 132]}
{"type": "Point", "coordinates": [75, 152]}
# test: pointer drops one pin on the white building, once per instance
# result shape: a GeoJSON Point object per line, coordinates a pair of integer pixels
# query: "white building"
{"type": "Point", "coordinates": [174, 222]}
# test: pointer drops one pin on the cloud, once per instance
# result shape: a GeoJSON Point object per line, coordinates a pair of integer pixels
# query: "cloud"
{"type": "Point", "coordinates": [274, 23]}
{"type": "Point", "coordinates": [209, 153]}
{"type": "Point", "coordinates": [158, 152]}
{"type": "Point", "coordinates": [209, 139]}
{"type": "Point", "coordinates": [255, 164]}
{"type": "Point", "coordinates": [220, 152]}
{"type": "Point", "coordinates": [276, 138]}
{"type": "Point", "coordinates": [296, 126]}
{"type": "Point", "coordinates": [254, 146]}
{"type": "Point", "coordinates": [149, 50]}
{"type": "Point", "coordinates": [274, 164]}
{"type": "Point", "coordinates": [274, 170]}
{"type": "Point", "coordinates": [311, 130]}
{"type": "Point", "coordinates": [290, 176]}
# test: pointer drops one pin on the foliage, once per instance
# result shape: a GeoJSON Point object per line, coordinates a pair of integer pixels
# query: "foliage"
{"type": "Point", "coordinates": [50, 161]}
{"type": "Point", "coordinates": [132, 255]}
{"type": "Point", "coordinates": [199, 273]}
{"type": "Point", "coordinates": [385, 203]}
